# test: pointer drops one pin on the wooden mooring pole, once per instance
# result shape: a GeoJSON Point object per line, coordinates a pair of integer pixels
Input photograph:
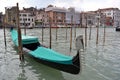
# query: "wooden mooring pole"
{"type": "Point", "coordinates": [74, 30]}
{"type": "Point", "coordinates": [90, 32]}
{"type": "Point", "coordinates": [43, 32]}
{"type": "Point", "coordinates": [86, 32]}
{"type": "Point", "coordinates": [71, 33]}
{"type": "Point", "coordinates": [104, 35]}
{"type": "Point", "coordinates": [50, 20]}
{"type": "Point", "coordinates": [66, 30]}
{"type": "Point", "coordinates": [21, 56]}
{"type": "Point", "coordinates": [97, 32]}
{"type": "Point", "coordinates": [24, 27]}
{"type": "Point", "coordinates": [56, 30]}
{"type": "Point", "coordinates": [4, 25]}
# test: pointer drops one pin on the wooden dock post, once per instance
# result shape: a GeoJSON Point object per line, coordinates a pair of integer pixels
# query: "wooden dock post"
{"type": "Point", "coordinates": [90, 32]}
{"type": "Point", "coordinates": [104, 35]}
{"type": "Point", "coordinates": [97, 36]}
{"type": "Point", "coordinates": [19, 36]}
{"type": "Point", "coordinates": [86, 32]}
{"type": "Point", "coordinates": [74, 30]}
{"type": "Point", "coordinates": [66, 29]}
{"type": "Point", "coordinates": [50, 20]}
{"type": "Point", "coordinates": [24, 27]}
{"type": "Point", "coordinates": [71, 33]}
{"type": "Point", "coordinates": [56, 30]}
{"type": "Point", "coordinates": [42, 32]}
{"type": "Point", "coordinates": [4, 25]}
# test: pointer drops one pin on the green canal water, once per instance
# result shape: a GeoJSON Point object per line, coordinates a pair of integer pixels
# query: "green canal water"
{"type": "Point", "coordinates": [99, 62]}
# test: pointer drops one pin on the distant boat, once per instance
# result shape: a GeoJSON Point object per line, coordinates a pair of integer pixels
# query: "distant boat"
{"type": "Point", "coordinates": [117, 28]}
{"type": "Point", "coordinates": [48, 56]}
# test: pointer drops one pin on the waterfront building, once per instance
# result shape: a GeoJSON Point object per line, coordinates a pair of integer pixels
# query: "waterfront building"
{"type": "Point", "coordinates": [62, 16]}
{"type": "Point", "coordinates": [72, 16]}
{"type": "Point", "coordinates": [41, 18]}
{"type": "Point", "coordinates": [88, 19]}
{"type": "Point", "coordinates": [11, 15]}
{"type": "Point", "coordinates": [27, 19]}
{"type": "Point", "coordinates": [112, 16]}
{"type": "Point", "coordinates": [116, 18]}
{"type": "Point", "coordinates": [1, 19]}
{"type": "Point", "coordinates": [56, 15]}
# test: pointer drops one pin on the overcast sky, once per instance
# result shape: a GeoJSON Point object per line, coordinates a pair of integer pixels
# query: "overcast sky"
{"type": "Point", "coordinates": [84, 5]}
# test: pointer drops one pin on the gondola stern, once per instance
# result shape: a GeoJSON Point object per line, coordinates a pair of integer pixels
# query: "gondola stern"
{"type": "Point", "coordinates": [76, 63]}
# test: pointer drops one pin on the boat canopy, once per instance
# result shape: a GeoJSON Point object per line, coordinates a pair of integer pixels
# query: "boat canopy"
{"type": "Point", "coordinates": [50, 55]}
{"type": "Point", "coordinates": [25, 39]}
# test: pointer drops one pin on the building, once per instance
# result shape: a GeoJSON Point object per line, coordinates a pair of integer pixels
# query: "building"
{"type": "Point", "coordinates": [116, 18]}
{"type": "Point", "coordinates": [27, 19]}
{"type": "Point", "coordinates": [1, 19]}
{"type": "Point", "coordinates": [88, 19]}
{"type": "Point", "coordinates": [62, 16]}
{"type": "Point", "coordinates": [32, 10]}
{"type": "Point", "coordinates": [56, 15]}
{"type": "Point", "coordinates": [72, 16]}
{"type": "Point", "coordinates": [112, 16]}
{"type": "Point", "coordinates": [11, 15]}
{"type": "Point", "coordinates": [41, 18]}
{"type": "Point", "coordinates": [101, 17]}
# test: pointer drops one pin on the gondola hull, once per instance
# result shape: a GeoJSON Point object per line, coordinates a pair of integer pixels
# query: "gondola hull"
{"type": "Point", "coordinates": [47, 56]}
{"type": "Point", "coordinates": [69, 68]}
{"type": "Point", "coordinates": [117, 28]}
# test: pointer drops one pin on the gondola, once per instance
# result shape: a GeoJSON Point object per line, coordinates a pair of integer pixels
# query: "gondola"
{"type": "Point", "coordinates": [49, 57]}
{"type": "Point", "coordinates": [117, 28]}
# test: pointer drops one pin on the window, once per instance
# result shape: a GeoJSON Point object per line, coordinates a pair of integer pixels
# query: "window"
{"type": "Point", "coordinates": [20, 19]}
{"type": "Point", "coordinates": [108, 13]}
{"type": "Point", "coordinates": [24, 15]}
{"type": "Point", "coordinates": [32, 20]}
{"type": "Point", "coordinates": [28, 19]}
{"type": "Point", "coordinates": [24, 19]}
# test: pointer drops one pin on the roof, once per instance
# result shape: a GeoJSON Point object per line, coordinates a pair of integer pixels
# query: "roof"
{"type": "Point", "coordinates": [58, 9]}
{"type": "Point", "coordinates": [105, 9]}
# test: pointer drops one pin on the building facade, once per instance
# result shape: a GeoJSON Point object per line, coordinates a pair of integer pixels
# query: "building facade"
{"type": "Point", "coordinates": [116, 18]}
{"type": "Point", "coordinates": [56, 15]}
{"type": "Point", "coordinates": [27, 19]}
{"type": "Point", "coordinates": [11, 15]}
{"type": "Point", "coordinates": [63, 16]}
{"type": "Point", "coordinates": [1, 19]}
{"type": "Point", "coordinates": [112, 16]}
{"type": "Point", "coordinates": [72, 16]}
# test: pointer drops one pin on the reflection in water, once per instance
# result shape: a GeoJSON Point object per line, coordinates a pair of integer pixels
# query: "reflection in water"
{"type": "Point", "coordinates": [22, 75]}
{"type": "Point", "coordinates": [43, 72]}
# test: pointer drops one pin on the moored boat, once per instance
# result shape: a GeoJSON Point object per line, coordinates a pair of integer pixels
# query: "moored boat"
{"type": "Point", "coordinates": [117, 28]}
{"type": "Point", "coordinates": [49, 57]}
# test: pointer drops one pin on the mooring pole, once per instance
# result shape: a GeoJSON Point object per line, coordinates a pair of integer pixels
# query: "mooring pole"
{"type": "Point", "coordinates": [71, 33]}
{"type": "Point", "coordinates": [19, 37]}
{"type": "Point", "coordinates": [56, 30]}
{"type": "Point", "coordinates": [74, 30]}
{"type": "Point", "coordinates": [66, 30]}
{"type": "Point", "coordinates": [90, 32]}
{"type": "Point", "coordinates": [24, 27]}
{"type": "Point", "coordinates": [86, 32]}
{"type": "Point", "coordinates": [42, 32]}
{"type": "Point", "coordinates": [50, 32]}
{"type": "Point", "coordinates": [104, 35]}
{"type": "Point", "coordinates": [4, 25]}
{"type": "Point", "coordinates": [97, 32]}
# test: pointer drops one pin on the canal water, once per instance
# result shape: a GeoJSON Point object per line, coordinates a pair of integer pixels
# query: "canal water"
{"type": "Point", "coordinates": [99, 62]}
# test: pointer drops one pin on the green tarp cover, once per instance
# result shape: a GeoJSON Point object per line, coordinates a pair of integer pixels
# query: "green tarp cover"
{"type": "Point", "coordinates": [25, 39]}
{"type": "Point", "coordinates": [42, 52]}
{"type": "Point", "coordinates": [50, 55]}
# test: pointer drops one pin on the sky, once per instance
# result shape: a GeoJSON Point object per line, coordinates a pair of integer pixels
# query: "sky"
{"type": "Point", "coordinates": [79, 5]}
